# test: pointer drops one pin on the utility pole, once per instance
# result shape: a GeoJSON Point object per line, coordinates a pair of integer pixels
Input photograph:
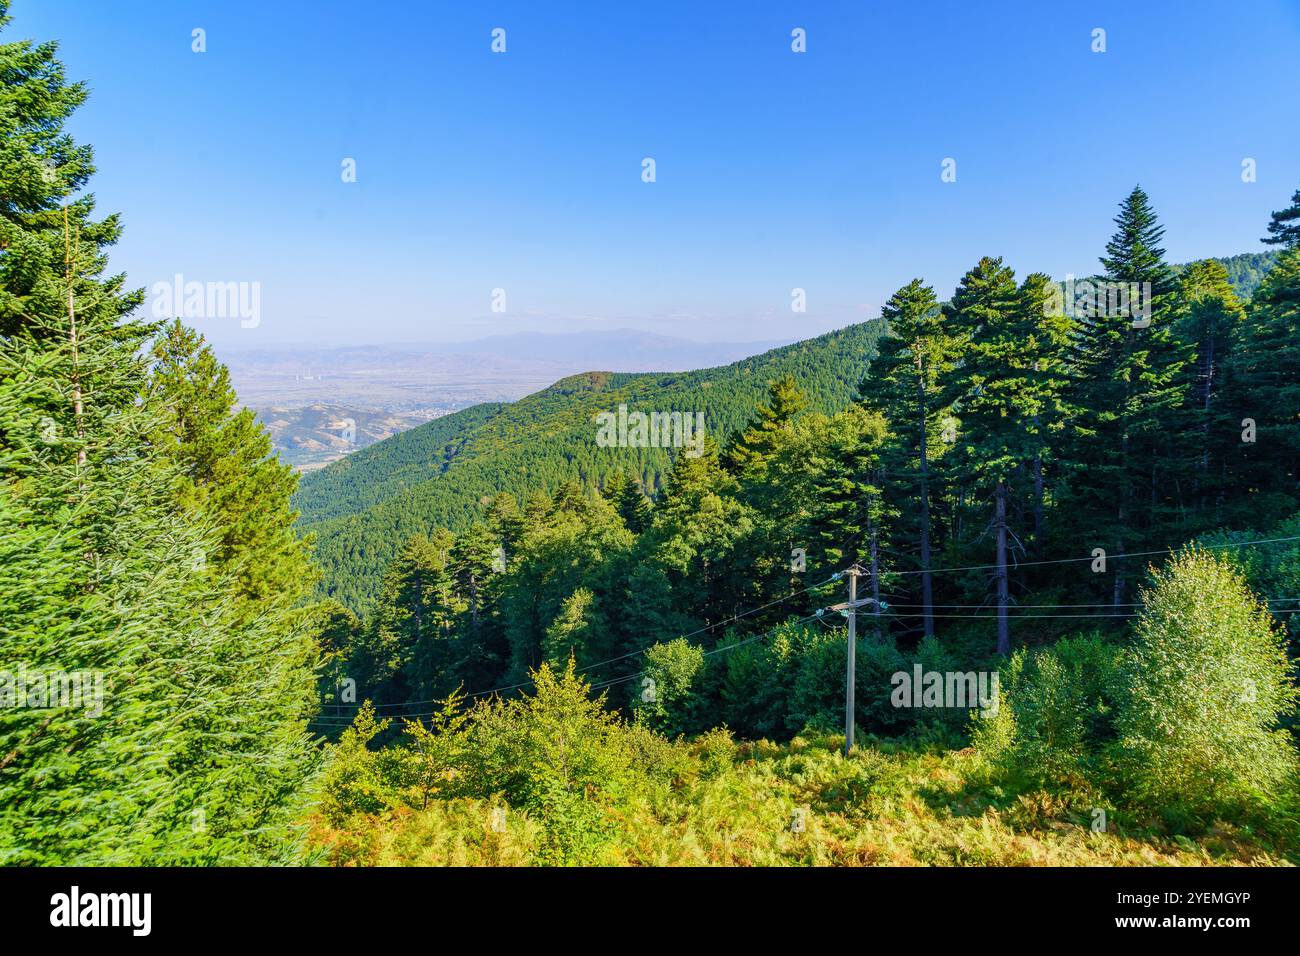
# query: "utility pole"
{"type": "Point", "coordinates": [850, 610]}
{"type": "Point", "coordinates": [852, 660]}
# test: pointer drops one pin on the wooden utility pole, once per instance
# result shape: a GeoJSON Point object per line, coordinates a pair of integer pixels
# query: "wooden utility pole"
{"type": "Point", "coordinates": [849, 686]}
{"type": "Point", "coordinates": [850, 610]}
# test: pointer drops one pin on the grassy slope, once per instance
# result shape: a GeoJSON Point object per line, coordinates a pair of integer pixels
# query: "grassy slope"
{"type": "Point", "coordinates": [886, 805]}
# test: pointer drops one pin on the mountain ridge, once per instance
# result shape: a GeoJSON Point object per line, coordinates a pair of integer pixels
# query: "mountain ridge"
{"type": "Point", "coordinates": [438, 474]}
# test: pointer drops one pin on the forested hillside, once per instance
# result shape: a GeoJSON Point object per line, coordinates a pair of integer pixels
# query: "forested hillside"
{"type": "Point", "coordinates": [1245, 271]}
{"type": "Point", "coordinates": [445, 473]}
{"type": "Point", "coordinates": [440, 474]}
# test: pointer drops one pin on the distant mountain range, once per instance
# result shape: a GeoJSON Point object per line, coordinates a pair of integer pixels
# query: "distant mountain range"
{"type": "Point", "coordinates": [496, 368]}
{"type": "Point", "coordinates": [622, 350]}
{"type": "Point", "coordinates": [300, 392]}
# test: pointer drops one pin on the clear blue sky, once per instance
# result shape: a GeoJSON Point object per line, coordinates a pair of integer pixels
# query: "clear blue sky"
{"type": "Point", "coordinates": [775, 170]}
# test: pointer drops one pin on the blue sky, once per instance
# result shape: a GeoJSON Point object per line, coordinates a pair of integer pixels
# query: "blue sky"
{"type": "Point", "coordinates": [775, 170]}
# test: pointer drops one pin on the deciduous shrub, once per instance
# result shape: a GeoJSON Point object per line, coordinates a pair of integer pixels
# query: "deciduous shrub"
{"type": "Point", "coordinates": [1202, 692]}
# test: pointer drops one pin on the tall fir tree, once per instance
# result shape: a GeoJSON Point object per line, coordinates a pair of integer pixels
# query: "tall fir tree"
{"type": "Point", "coordinates": [905, 383]}
{"type": "Point", "coordinates": [994, 389]}
{"type": "Point", "coordinates": [1261, 424]}
{"type": "Point", "coordinates": [107, 589]}
{"type": "Point", "coordinates": [626, 495]}
{"type": "Point", "coordinates": [230, 475]}
{"type": "Point", "coordinates": [1047, 332]}
{"type": "Point", "coordinates": [1210, 320]}
{"type": "Point", "coordinates": [749, 450]}
{"type": "Point", "coordinates": [850, 517]}
{"type": "Point", "coordinates": [1128, 371]}
{"type": "Point", "coordinates": [409, 650]}
{"type": "Point", "coordinates": [699, 525]}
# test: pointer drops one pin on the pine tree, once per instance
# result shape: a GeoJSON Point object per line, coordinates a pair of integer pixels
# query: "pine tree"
{"type": "Point", "coordinates": [231, 477]}
{"type": "Point", "coordinates": [1260, 424]}
{"type": "Point", "coordinates": [630, 500]}
{"type": "Point", "coordinates": [905, 384]}
{"type": "Point", "coordinates": [749, 450]}
{"type": "Point", "coordinates": [566, 637]}
{"type": "Point", "coordinates": [1211, 321]}
{"type": "Point", "coordinates": [699, 524]}
{"type": "Point", "coordinates": [994, 389]}
{"type": "Point", "coordinates": [409, 650]}
{"type": "Point", "coordinates": [1133, 252]}
{"type": "Point", "coordinates": [850, 515]}
{"type": "Point", "coordinates": [1284, 228]}
{"type": "Point", "coordinates": [1047, 333]}
{"type": "Point", "coordinates": [477, 568]}
{"type": "Point", "coordinates": [580, 545]}
{"type": "Point", "coordinates": [1129, 385]}
{"type": "Point", "coordinates": [41, 170]}
{"type": "Point", "coordinates": [506, 523]}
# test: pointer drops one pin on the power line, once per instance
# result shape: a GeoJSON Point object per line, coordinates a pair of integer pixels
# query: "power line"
{"type": "Point", "coordinates": [602, 685]}
{"type": "Point", "coordinates": [835, 577]}
{"type": "Point", "coordinates": [588, 667]}
{"type": "Point", "coordinates": [1093, 604]}
{"type": "Point", "coordinates": [1108, 557]}
{"type": "Point", "coordinates": [1019, 617]}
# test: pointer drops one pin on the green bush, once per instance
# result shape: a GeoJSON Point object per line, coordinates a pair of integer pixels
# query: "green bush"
{"type": "Point", "coordinates": [716, 752]}
{"type": "Point", "coordinates": [558, 755]}
{"type": "Point", "coordinates": [1202, 692]}
{"type": "Point", "coordinates": [1056, 713]}
{"type": "Point", "coordinates": [1067, 712]}
{"type": "Point", "coordinates": [664, 697]}
{"type": "Point", "coordinates": [358, 779]}
{"type": "Point", "coordinates": [753, 682]}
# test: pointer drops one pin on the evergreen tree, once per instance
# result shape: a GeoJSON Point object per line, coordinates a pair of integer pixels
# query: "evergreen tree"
{"type": "Point", "coordinates": [566, 636]}
{"type": "Point", "coordinates": [905, 384]}
{"type": "Point", "coordinates": [1129, 385]}
{"type": "Point", "coordinates": [749, 450]}
{"type": "Point", "coordinates": [1261, 426]}
{"type": "Point", "coordinates": [580, 543]}
{"type": "Point", "coordinates": [477, 569]}
{"type": "Point", "coordinates": [630, 500]}
{"type": "Point", "coordinates": [850, 515]}
{"type": "Point", "coordinates": [231, 478]}
{"type": "Point", "coordinates": [994, 387]}
{"type": "Point", "coordinates": [106, 581]}
{"type": "Point", "coordinates": [698, 526]}
{"type": "Point", "coordinates": [1047, 333]}
{"type": "Point", "coordinates": [1284, 228]}
{"type": "Point", "coordinates": [506, 523]}
{"type": "Point", "coordinates": [409, 649]}
{"type": "Point", "coordinates": [41, 170]}
{"type": "Point", "coordinates": [1211, 321]}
